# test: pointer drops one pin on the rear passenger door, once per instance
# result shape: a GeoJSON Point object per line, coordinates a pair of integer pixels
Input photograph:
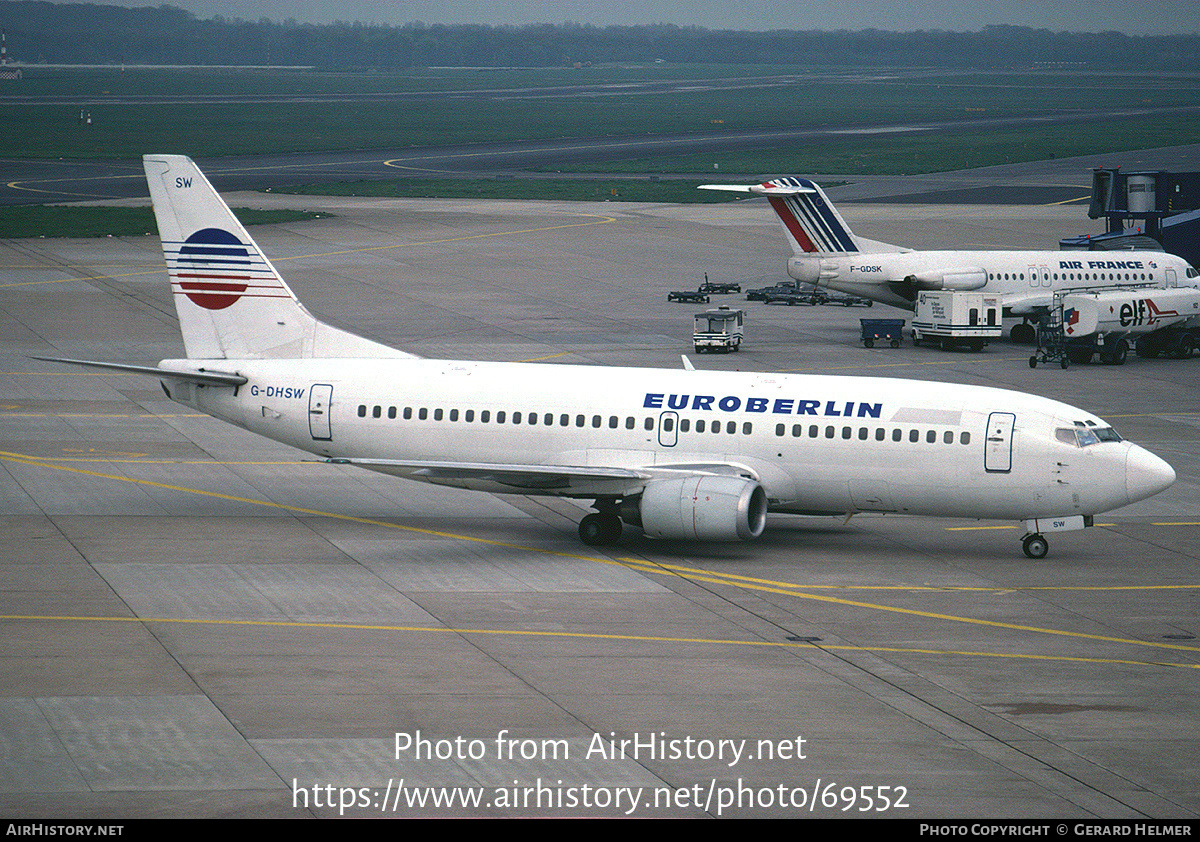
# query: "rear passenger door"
{"type": "Point", "coordinates": [320, 397]}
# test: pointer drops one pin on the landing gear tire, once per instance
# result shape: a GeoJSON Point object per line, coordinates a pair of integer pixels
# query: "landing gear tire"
{"type": "Point", "coordinates": [1023, 334]}
{"type": "Point", "coordinates": [600, 529]}
{"type": "Point", "coordinates": [1035, 545]}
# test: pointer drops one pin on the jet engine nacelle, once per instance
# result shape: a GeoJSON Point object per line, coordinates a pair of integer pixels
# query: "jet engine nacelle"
{"type": "Point", "coordinates": [961, 278]}
{"type": "Point", "coordinates": [807, 270]}
{"type": "Point", "coordinates": [704, 509]}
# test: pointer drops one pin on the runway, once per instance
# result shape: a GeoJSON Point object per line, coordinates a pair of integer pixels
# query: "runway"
{"type": "Point", "coordinates": [30, 181]}
{"type": "Point", "coordinates": [198, 622]}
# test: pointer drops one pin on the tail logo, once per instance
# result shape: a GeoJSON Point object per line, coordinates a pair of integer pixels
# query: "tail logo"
{"type": "Point", "coordinates": [214, 269]}
{"type": "Point", "coordinates": [809, 220]}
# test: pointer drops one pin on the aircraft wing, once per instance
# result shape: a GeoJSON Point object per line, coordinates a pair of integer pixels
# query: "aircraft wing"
{"type": "Point", "coordinates": [557, 480]}
{"type": "Point", "coordinates": [560, 480]}
{"type": "Point", "coordinates": [1027, 304]}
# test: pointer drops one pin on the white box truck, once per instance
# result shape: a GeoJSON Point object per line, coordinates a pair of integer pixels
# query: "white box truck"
{"type": "Point", "coordinates": [957, 318]}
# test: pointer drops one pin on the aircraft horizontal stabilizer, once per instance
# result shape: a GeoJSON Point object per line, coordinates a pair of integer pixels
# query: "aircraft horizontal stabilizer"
{"type": "Point", "coordinates": [211, 378]}
{"type": "Point", "coordinates": [759, 189]}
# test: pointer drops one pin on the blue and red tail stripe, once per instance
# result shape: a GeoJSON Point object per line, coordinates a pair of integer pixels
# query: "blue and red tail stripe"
{"type": "Point", "coordinates": [809, 219]}
{"type": "Point", "coordinates": [214, 269]}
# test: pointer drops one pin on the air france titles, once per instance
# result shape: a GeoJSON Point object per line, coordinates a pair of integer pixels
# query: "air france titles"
{"type": "Point", "coordinates": [1105, 264]}
{"type": "Point", "coordinates": [773, 406]}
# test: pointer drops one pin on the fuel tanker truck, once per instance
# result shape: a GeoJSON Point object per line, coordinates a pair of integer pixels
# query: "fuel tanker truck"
{"type": "Point", "coordinates": [1109, 321]}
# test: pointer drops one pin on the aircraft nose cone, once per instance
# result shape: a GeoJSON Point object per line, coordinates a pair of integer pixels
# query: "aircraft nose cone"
{"type": "Point", "coordinates": [1145, 474]}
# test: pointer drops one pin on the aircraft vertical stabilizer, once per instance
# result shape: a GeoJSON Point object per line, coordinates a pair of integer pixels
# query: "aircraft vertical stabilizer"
{"type": "Point", "coordinates": [811, 224]}
{"type": "Point", "coordinates": [232, 303]}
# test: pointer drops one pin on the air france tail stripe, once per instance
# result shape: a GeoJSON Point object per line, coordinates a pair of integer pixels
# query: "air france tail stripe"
{"type": "Point", "coordinates": [809, 220]}
{"type": "Point", "coordinates": [822, 218]}
{"type": "Point", "coordinates": [791, 224]}
{"type": "Point", "coordinates": [811, 224]}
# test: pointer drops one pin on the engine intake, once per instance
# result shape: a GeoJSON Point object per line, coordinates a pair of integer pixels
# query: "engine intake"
{"type": "Point", "coordinates": [704, 509]}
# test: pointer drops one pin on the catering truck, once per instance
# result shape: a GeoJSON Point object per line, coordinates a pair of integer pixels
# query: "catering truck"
{"type": "Point", "coordinates": [957, 318]}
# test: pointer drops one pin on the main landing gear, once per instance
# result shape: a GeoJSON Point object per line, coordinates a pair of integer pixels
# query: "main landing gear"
{"type": "Point", "coordinates": [1023, 334]}
{"type": "Point", "coordinates": [1035, 545]}
{"type": "Point", "coordinates": [600, 529]}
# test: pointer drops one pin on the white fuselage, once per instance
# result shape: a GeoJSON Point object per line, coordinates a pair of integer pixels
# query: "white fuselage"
{"type": "Point", "coordinates": [1026, 279]}
{"type": "Point", "coordinates": [818, 444]}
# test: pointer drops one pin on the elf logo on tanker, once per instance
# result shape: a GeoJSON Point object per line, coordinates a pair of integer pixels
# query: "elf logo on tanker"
{"type": "Point", "coordinates": [214, 269]}
{"type": "Point", "coordinates": [1143, 311]}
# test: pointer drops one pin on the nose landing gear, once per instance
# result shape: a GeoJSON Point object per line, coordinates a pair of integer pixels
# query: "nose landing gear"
{"type": "Point", "coordinates": [1035, 545]}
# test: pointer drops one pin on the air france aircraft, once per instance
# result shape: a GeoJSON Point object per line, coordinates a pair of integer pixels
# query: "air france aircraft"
{"type": "Point", "coordinates": [682, 454]}
{"type": "Point", "coordinates": [825, 251]}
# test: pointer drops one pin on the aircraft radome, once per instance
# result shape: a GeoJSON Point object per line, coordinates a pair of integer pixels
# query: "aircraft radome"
{"type": "Point", "coordinates": [682, 454]}
{"type": "Point", "coordinates": [826, 252]}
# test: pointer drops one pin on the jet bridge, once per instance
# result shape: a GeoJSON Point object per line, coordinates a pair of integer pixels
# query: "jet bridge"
{"type": "Point", "coordinates": [1144, 211]}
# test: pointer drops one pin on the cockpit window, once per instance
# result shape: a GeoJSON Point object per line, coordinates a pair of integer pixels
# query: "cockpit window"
{"type": "Point", "coordinates": [1085, 436]}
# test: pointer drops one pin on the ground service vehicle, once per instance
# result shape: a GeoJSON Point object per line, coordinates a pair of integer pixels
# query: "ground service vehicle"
{"type": "Point", "coordinates": [719, 330]}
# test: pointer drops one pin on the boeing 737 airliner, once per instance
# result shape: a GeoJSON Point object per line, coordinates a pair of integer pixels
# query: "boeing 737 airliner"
{"type": "Point", "coordinates": [683, 454]}
{"type": "Point", "coordinates": [825, 251]}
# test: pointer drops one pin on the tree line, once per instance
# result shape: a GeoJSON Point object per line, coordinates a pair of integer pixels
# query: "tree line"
{"type": "Point", "coordinates": [98, 34]}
